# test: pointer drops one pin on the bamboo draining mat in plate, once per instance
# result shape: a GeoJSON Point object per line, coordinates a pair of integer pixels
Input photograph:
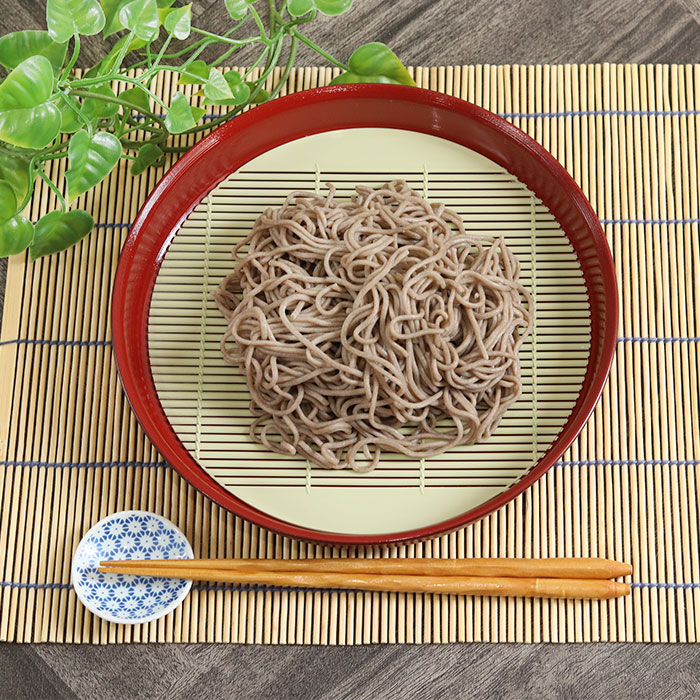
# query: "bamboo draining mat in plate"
{"type": "Point", "coordinates": [72, 452]}
{"type": "Point", "coordinates": [207, 401]}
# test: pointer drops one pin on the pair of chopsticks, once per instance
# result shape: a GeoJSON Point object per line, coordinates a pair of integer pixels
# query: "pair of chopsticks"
{"type": "Point", "coordinates": [536, 578]}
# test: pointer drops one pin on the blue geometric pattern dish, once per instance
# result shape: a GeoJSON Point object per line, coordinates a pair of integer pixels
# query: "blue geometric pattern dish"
{"type": "Point", "coordinates": [124, 598]}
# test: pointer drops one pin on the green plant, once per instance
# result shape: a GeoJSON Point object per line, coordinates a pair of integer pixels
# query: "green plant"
{"type": "Point", "coordinates": [48, 111]}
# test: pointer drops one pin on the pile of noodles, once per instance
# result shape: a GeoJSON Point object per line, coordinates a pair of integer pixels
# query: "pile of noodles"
{"type": "Point", "coordinates": [373, 324]}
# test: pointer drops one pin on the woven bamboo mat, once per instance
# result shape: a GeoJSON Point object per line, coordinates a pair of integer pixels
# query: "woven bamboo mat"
{"type": "Point", "coordinates": [71, 451]}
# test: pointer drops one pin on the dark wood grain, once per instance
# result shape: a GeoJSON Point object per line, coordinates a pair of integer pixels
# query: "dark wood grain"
{"type": "Point", "coordinates": [479, 31]}
{"type": "Point", "coordinates": [434, 32]}
{"type": "Point", "coordinates": [201, 672]}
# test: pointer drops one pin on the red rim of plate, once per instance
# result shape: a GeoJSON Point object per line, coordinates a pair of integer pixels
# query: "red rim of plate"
{"type": "Point", "coordinates": [325, 109]}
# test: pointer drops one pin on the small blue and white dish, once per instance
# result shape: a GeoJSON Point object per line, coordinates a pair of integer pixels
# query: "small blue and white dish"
{"type": "Point", "coordinates": [125, 598]}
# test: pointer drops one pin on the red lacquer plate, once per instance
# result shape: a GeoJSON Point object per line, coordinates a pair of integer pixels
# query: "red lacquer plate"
{"type": "Point", "coordinates": [468, 157]}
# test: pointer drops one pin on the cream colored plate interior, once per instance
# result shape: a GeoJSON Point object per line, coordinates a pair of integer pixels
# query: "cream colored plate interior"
{"type": "Point", "coordinates": [206, 400]}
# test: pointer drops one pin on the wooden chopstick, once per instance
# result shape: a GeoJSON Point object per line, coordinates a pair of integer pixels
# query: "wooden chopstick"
{"type": "Point", "coordinates": [539, 587]}
{"type": "Point", "coordinates": [571, 568]}
{"type": "Point", "coordinates": [453, 585]}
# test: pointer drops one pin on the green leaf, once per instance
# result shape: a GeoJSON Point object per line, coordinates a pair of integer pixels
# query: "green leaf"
{"type": "Point", "coordinates": [217, 87]}
{"type": "Point", "coordinates": [15, 170]}
{"type": "Point", "coordinates": [15, 235]}
{"type": "Point", "coordinates": [91, 158]}
{"type": "Point", "coordinates": [238, 9]}
{"type": "Point", "coordinates": [112, 8]}
{"type": "Point", "coordinates": [27, 117]}
{"type": "Point", "coordinates": [58, 230]}
{"type": "Point", "coordinates": [197, 68]}
{"type": "Point", "coordinates": [297, 8]}
{"type": "Point", "coordinates": [239, 89]}
{"type": "Point", "coordinates": [16, 47]}
{"type": "Point", "coordinates": [178, 22]}
{"type": "Point", "coordinates": [226, 89]}
{"type": "Point", "coordinates": [100, 109]}
{"type": "Point", "coordinates": [233, 78]}
{"type": "Point", "coordinates": [141, 17]}
{"type": "Point", "coordinates": [333, 7]}
{"type": "Point", "coordinates": [148, 154]}
{"type": "Point", "coordinates": [70, 121]}
{"type": "Point", "coordinates": [8, 201]}
{"type": "Point", "coordinates": [137, 98]}
{"type": "Point", "coordinates": [67, 17]}
{"type": "Point", "coordinates": [165, 3]}
{"type": "Point", "coordinates": [198, 113]}
{"type": "Point", "coordinates": [262, 96]}
{"type": "Point", "coordinates": [179, 117]}
{"type": "Point", "coordinates": [374, 63]}
{"type": "Point", "coordinates": [352, 78]}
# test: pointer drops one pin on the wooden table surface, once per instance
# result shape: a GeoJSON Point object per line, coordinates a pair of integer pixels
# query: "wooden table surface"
{"type": "Point", "coordinates": [422, 33]}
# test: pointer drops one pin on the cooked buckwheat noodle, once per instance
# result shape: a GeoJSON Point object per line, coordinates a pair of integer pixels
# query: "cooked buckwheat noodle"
{"type": "Point", "coordinates": [370, 325]}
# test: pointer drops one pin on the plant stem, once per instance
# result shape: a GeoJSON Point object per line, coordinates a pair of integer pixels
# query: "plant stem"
{"type": "Point", "coordinates": [52, 187]}
{"type": "Point", "coordinates": [272, 11]}
{"type": "Point", "coordinates": [192, 47]}
{"type": "Point", "coordinates": [141, 127]}
{"type": "Point", "coordinates": [288, 67]}
{"type": "Point", "coordinates": [123, 103]}
{"type": "Point", "coordinates": [89, 82]}
{"type": "Point", "coordinates": [319, 50]}
{"type": "Point", "coordinates": [76, 50]}
{"type": "Point", "coordinates": [70, 105]}
{"type": "Point", "coordinates": [269, 65]}
{"type": "Point", "coordinates": [226, 40]}
{"type": "Point", "coordinates": [53, 156]}
{"type": "Point", "coordinates": [11, 152]}
{"type": "Point", "coordinates": [122, 52]}
{"type": "Point", "coordinates": [191, 59]}
{"type": "Point", "coordinates": [30, 189]}
{"type": "Point", "coordinates": [257, 62]}
{"type": "Point", "coordinates": [122, 123]}
{"type": "Point", "coordinates": [175, 149]}
{"type": "Point", "coordinates": [176, 54]}
{"type": "Point", "coordinates": [131, 145]}
{"type": "Point", "coordinates": [149, 55]}
{"type": "Point", "coordinates": [56, 147]}
{"type": "Point", "coordinates": [162, 49]}
{"type": "Point", "coordinates": [224, 56]}
{"type": "Point", "coordinates": [259, 22]}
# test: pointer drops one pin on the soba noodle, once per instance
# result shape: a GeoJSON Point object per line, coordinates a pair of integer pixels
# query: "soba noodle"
{"type": "Point", "coordinates": [370, 325]}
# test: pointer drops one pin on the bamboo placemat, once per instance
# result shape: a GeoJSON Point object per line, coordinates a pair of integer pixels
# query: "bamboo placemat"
{"type": "Point", "coordinates": [71, 451]}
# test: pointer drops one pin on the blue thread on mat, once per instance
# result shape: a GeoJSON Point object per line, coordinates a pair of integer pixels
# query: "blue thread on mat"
{"type": "Point", "coordinates": [14, 584]}
{"type": "Point", "coordinates": [107, 225]}
{"type": "Point", "coordinates": [113, 225]}
{"type": "Point", "coordinates": [668, 586]}
{"type": "Point", "coordinates": [658, 339]}
{"type": "Point", "coordinates": [650, 221]}
{"type": "Point", "coordinates": [576, 463]}
{"type": "Point", "coordinates": [275, 589]}
{"type": "Point", "coordinates": [629, 462]}
{"type": "Point", "coordinates": [603, 113]}
{"type": "Point", "coordinates": [82, 465]}
{"type": "Point", "coordinates": [62, 343]}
